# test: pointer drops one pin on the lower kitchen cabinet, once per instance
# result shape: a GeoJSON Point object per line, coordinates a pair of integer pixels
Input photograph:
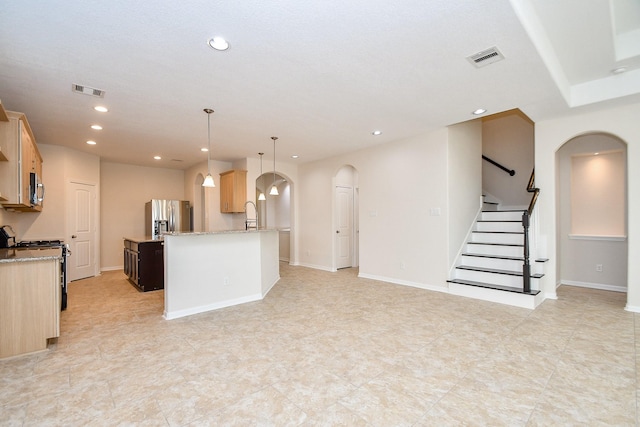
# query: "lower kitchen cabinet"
{"type": "Point", "coordinates": [30, 294]}
{"type": "Point", "coordinates": [144, 264]}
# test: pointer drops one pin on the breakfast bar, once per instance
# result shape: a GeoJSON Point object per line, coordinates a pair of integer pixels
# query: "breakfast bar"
{"type": "Point", "coordinates": [205, 271]}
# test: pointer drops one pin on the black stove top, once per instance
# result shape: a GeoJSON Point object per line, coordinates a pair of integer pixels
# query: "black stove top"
{"type": "Point", "coordinates": [39, 243]}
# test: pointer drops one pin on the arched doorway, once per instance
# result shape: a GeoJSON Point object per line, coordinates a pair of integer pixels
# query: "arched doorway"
{"type": "Point", "coordinates": [345, 213]}
{"type": "Point", "coordinates": [591, 214]}
{"type": "Point", "coordinates": [274, 211]}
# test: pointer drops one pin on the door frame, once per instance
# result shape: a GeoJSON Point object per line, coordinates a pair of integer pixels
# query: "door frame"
{"type": "Point", "coordinates": [355, 229]}
{"type": "Point", "coordinates": [95, 218]}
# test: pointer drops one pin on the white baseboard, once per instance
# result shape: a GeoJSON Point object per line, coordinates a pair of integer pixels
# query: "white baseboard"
{"type": "Point", "coordinates": [117, 267]}
{"type": "Point", "coordinates": [404, 282]}
{"type": "Point", "coordinates": [601, 286]}
{"type": "Point", "coordinates": [632, 308]}
{"type": "Point", "coordinates": [204, 308]}
{"type": "Point", "coordinates": [316, 267]}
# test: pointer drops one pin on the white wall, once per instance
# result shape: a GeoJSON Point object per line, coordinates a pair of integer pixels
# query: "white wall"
{"type": "Point", "coordinates": [464, 187]}
{"type": "Point", "coordinates": [578, 257]}
{"type": "Point", "coordinates": [125, 190]}
{"type": "Point", "coordinates": [552, 134]}
{"type": "Point", "coordinates": [60, 164]}
{"type": "Point", "coordinates": [214, 220]}
{"type": "Point", "coordinates": [507, 138]}
{"type": "Point", "coordinates": [399, 183]}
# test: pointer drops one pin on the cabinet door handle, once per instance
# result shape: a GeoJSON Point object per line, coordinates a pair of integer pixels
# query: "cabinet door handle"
{"type": "Point", "coordinates": [73, 236]}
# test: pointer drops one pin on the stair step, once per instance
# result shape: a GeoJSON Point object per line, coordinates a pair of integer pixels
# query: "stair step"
{"type": "Point", "coordinates": [492, 286]}
{"type": "Point", "coordinates": [515, 215]}
{"type": "Point", "coordinates": [502, 237]}
{"type": "Point", "coordinates": [497, 271]}
{"type": "Point", "coordinates": [509, 258]}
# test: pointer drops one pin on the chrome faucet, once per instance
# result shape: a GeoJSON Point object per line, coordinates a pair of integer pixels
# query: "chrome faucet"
{"type": "Point", "coordinates": [251, 222]}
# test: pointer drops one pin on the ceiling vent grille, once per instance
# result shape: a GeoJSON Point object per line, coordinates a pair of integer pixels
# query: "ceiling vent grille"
{"type": "Point", "coordinates": [486, 57]}
{"type": "Point", "coordinates": [86, 90]}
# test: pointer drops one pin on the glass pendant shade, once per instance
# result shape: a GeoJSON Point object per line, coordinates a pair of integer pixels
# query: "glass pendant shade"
{"type": "Point", "coordinates": [208, 180]}
{"type": "Point", "coordinates": [261, 196]}
{"type": "Point", "coordinates": [274, 189]}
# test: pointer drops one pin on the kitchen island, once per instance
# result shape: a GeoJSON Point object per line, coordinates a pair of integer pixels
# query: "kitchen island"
{"type": "Point", "coordinates": [30, 297]}
{"type": "Point", "coordinates": [205, 271]}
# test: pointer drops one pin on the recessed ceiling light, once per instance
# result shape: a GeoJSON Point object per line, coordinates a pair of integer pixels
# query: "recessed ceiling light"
{"type": "Point", "coordinates": [157, 157]}
{"type": "Point", "coordinates": [376, 132]}
{"type": "Point", "coordinates": [96, 127]}
{"type": "Point", "coordinates": [218, 43]}
{"type": "Point", "coordinates": [295, 156]}
{"type": "Point", "coordinates": [204, 149]}
{"type": "Point", "coordinates": [479, 111]}
{"type": "Point", "coordinates": [101, 109]}
{"type": "Point", "coordinates": [619, 70]}
{"type": "Point", "coordinates": [595, 154]}
{"type": "Point", "coordinates": [91, 142]}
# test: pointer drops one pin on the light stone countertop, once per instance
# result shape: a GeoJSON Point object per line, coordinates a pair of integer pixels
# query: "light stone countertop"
{"type": "Point", "coordinates": [29, 254]}
{"type": "Point", "coordinates": [196, 233]}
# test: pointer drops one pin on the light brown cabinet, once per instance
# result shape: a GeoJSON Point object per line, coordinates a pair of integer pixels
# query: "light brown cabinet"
{"type": "Point", "coordinates": [233, 191]}
{"type": "Point", "coordinates": [30, 297]}
{"type": "Point", "coordinates": [23, 157]}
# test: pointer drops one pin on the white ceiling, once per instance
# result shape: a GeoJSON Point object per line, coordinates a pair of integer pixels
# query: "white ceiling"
{"type": "Point", "coordinates": [320, 75]}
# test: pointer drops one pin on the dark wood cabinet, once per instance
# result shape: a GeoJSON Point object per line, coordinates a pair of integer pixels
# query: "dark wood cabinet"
{"type": "Point", "coordinates": [144, 264]}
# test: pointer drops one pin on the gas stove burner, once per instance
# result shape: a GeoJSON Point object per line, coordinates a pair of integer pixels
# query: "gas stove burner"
{"type": "Point", "coordinates": [39, 243]}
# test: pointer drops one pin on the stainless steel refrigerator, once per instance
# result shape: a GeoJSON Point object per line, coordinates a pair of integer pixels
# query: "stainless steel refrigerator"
{"type": "Point", "coordinates": [166, 216]}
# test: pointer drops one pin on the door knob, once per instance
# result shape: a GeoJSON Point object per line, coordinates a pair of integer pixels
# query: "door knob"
{"type": "Point", "coordinates": [337, 231]}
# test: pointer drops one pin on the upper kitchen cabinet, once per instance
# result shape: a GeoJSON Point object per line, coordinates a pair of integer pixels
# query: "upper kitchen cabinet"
{"type": "Point", "coordinates": [233, 191]}
{"type": "Point", "coordinates": [3, 118]}
{"type": "Point", "coordinates": [20, 186]}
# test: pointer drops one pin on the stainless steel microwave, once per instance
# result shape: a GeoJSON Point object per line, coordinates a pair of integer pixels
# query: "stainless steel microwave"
{"type": "Point", "coordinates": [36, 190]}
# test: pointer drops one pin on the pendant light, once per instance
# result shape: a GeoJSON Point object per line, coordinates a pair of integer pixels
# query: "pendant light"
{"type": "Point", "coordinates": [274, 189]}
{"type": "Point", "coordinates": [208, 181]}
{"type": "Point", "coordinates": [261, 196]}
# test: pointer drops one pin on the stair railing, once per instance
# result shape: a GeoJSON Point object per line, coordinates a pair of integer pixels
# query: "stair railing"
{"type": "Point", "coordinates": [526, 215]}
{"type": "Point", "coordinates": [504, 168]}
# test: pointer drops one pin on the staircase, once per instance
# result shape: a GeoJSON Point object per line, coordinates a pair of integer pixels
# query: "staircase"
{"type": "Point", "coordinates": [490, 267]}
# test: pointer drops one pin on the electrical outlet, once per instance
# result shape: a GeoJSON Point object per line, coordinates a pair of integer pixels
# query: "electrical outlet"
{"type": "Point", "coordinates": [402, 265]}
{"type": "Point", "coordinates": [226, 281]}
{"type": "Point", "coordinates": [599, 267]}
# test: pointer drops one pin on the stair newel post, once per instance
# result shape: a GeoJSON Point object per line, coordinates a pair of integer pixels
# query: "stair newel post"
{"type": "Point", "coordinates": [526, 268]}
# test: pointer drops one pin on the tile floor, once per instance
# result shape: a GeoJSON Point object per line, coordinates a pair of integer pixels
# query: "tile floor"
{"type": "Point", "coordinates": [329, 349]}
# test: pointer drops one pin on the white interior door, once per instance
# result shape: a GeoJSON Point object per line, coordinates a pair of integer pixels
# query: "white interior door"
{"type": "Point", "coordinates": [344, 227]}
{"type": "Point", "coordinates": [82, 230]}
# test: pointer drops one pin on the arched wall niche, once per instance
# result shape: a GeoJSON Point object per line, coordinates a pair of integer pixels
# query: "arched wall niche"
{"type": "Point", "coordinates": [591, 185]}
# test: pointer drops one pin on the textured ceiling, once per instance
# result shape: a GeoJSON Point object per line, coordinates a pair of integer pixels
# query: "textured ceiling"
{"type": "Point", "coordinates": [319, 75]}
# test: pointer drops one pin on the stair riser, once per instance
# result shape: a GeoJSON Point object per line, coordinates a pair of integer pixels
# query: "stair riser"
{"type": "Point", "coordinates": [495, 250]}
{"type": "Point", "coordinates": [500, 264]}
{"type": "Point", "coordinates": [498, 279]}
{"type": "Point", "coordinates": [499, 226]}
{"type": "Point", "coordinates": [506, 238]}
{"type": "Point", "coordinates": [502, 216]}
{"type": "Point", "coordinates": [494, 263]}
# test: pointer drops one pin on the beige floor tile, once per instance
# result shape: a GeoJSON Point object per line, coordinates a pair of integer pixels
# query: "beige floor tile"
{"type": "Point", "coordinates": [330, 349]}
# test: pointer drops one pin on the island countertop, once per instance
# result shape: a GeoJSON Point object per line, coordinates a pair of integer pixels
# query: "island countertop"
{"type": "Point", "coordinates": [29, 254]}
{"type": "Point", "coordinates": [197, 233]}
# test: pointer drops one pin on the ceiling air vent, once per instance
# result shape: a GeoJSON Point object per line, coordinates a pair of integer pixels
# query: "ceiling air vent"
{"type": "Point", "coordinates": [86, 90]}
{"type": "Point", "coordinates": [486, 57]}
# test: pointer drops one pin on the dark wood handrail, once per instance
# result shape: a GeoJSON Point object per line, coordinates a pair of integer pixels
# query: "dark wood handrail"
{"type": "Point", "coordinates": [531, 188]}
{"type": "Point", "coordinates": [493, 162]}
{"type": "Point", "coordinates": [526, 267]}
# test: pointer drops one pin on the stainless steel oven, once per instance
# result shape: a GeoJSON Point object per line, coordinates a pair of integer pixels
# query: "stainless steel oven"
{"type": "Point", "coordinates": [8, 240]}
